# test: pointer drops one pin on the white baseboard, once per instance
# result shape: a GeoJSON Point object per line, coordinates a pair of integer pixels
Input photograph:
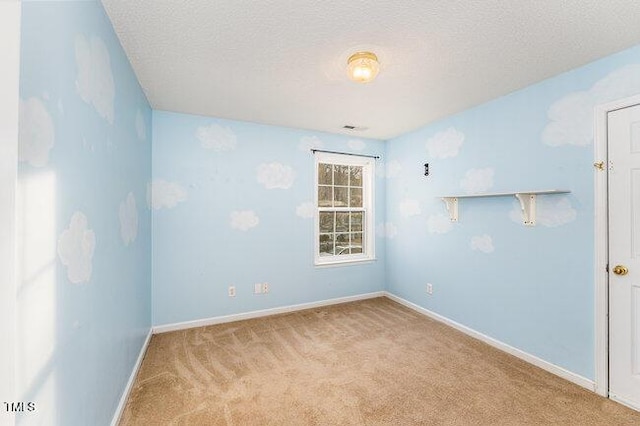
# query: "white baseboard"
{"type": "Point", "coordinates": [545, 365]}
{"type": "Point", "coordinates": [262, 313]}
{"type": "Point", "coordinates": [132, 378]}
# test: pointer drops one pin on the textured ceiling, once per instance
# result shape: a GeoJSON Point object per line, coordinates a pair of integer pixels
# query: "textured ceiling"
{"type": "Point", "coordinates": [283, 62]}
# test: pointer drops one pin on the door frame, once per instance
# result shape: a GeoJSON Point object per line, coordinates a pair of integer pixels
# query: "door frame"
{"type": "Point", "coordinates": [601, 219]}
{"type": "Point", "coordinates": [10, 19]}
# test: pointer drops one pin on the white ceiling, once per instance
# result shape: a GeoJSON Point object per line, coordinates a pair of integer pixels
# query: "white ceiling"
{"type": "Point", "coordinates": [283, 62]}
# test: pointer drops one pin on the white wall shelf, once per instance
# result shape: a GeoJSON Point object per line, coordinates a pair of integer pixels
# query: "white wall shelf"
{"type": "Point", "coordinates": [527, 201]}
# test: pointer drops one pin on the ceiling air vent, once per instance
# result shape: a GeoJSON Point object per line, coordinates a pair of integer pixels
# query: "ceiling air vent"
{"type": "Point", "coordinates": [354, 128]}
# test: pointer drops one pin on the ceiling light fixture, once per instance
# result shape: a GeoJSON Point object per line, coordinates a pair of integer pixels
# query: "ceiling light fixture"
{"type": "Point", "coordinates": [363, 67]}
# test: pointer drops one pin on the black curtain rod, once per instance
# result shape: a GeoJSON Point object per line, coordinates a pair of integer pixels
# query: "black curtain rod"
{"type": "Point", "coordinates": [345, 153]}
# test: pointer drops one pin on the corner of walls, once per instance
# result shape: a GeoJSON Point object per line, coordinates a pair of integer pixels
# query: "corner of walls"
{"type": "Point", "coordinates": [151, 220]}
{"type": "Point", "coordinates": [386, 230]}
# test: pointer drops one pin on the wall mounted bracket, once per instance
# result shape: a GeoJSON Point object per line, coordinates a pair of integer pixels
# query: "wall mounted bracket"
{"type": "Point", "coordinates": [451, 203]}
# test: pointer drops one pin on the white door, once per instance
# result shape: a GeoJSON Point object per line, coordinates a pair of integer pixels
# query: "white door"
{"type": "Point", "coordinates": [624, 255]}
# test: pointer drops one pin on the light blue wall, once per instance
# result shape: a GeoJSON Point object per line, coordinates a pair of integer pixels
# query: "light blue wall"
{"type": "Point", "coordinates": [230, 207]}
{"type": "Point", "coordinates": [205, 169]}
{"type": "Point", "coordinates": [530, 287]}
{"type": "Point", "coordinates": [84, 249]}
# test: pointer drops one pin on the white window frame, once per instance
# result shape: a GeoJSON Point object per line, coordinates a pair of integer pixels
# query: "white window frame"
{"type": "Point", "coordinates": [368, 203]}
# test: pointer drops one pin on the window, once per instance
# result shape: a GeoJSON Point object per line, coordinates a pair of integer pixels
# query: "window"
{"type": "Point", "coordinates": [344, 209]}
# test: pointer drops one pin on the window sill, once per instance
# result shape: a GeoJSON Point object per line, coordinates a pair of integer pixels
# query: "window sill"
{"type": "Point", "coordinates": [336, 263]}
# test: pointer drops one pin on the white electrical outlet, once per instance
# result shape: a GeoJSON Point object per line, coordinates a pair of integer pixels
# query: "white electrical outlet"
{"type": "Point", "coordinates": [429, 288]}
{"type": "Point", "coordinates": [265, 287]}
{"type": "Point", "coordinates": [257, 288]}
{"type": "Point", "coordinates": [232, 291]}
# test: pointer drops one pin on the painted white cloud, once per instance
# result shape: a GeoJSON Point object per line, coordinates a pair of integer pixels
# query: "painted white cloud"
{"type": "Point", "coordinates": [387, 230]}
{"type": "Point", "coordinates": [409, 207]}
{"type": "Point", "coordinates": [36, 133]}
{"type": "Point", "coordinates": [128, 219]}
{"type": "Point", "coordinates": [76, 245]}
{"type": "Point", "coordinates": [244, 220]}
{"type": "Point", "coordinates": [217, 138]}
{"type": "Point", "coordinates": [477, 181]}
{"type": "Point", "coordinates": [445, 144]}
{"type": "Point", "coordinates": [306, 210]}
{"type": "Point", "coordinates": [141, 128]}
{"type": "Point", "coordinates": [389, 170]}
{"type": "Point", "coordinates": [571, 117]}
{"type": "Point", "coordinates": [482, 243]}
{"type": "Point", "coordinates": [356, 144]}
{"type": "Point", "coordinates": [163, 194]}
{"type": "Point", "coordinates": [439, 224]}
{"type": "Point", "coordinates": [310, 142]}
{"type": "Point", "coordinates": [275, 175]}
{"type": "Point", "coordinates": [551, 211]}
{"type": "Point", "coordinates": [95, 79]}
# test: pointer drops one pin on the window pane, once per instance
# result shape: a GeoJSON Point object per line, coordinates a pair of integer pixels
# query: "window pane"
{"type": "Point", "coordinates": [342, 244]}
{"type": "Point", "coordinates": [325, 174]}
{"type": "Point", "coordinates": [342, 222]}
{"type": "Point", "coordinates": [356, 242]}
{"type": "Point", "coordinates": [326, 245]}
{"type": "Point", "coordinates": [341, 197]}
{"type": "Point", "coordinates": [356, 222]}
{"type": "Point", "coordinates": [325, 196]}
{"type": "Point", "coordinates": [356, 197]}
{"type": "Point", "coordinates": [355, 173]}
{"type": "Point", "coordinates": [341, 175]}
{"type": "Point", "coordinates": [326, 221]}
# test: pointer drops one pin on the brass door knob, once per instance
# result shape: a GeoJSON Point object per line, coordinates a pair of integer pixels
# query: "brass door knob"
{"type": "Point", "coordinates": [620, 270]}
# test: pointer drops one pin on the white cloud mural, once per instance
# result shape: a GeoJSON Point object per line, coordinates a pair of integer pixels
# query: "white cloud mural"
{"type": "Point", "coordinates": [95, 79]}
{"type": "Point", "coordinates": [409, 207]}
{"type": "Point", "coordinates": [244, 220]}
{"type": "Point", "coordinates": [36, 133]}
{"type": "Point", "coordinates": [445, 144]}
{"type": "Point", "coordinates": [356, 144]}
{"type": "Point", "coordinates": [477, 181]}
{"type": "Point", "coordinates": [439, 224]}
{"type": "Point", "coordinates": [571, 117]}
{"type": "Point", "coordinates": [141, 128]}
{"type": "Point", "coordinates": [217, 138]}
{"type": "Point", "coordinates": [306, 210]}
{"type": "Point", "coordinates": [163, 194]}
{"type": "Point", "coordinates": [551, 211]}
{"type": "Point", "coordinates": [389, 170]}
{"type": "Point", "coordinates": [482, 243]}
{"type": "Point", "coordinates": [387, 230]}
{"type": "Point", "coordinates": [275, 175]}
{"type": "Point", "coordinates": [310, 142]}
{"type": "Point", "coordinates": [76, 245]}
{"type": "Point", "coordinates": [128, 219]}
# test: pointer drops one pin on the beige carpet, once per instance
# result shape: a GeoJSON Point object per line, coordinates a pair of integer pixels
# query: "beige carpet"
{"type": "Point", "coordinates": [372, 362]}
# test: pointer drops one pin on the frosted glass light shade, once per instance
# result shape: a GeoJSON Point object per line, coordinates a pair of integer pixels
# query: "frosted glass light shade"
{"type": "Point", "coordinates": [363, 67]}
